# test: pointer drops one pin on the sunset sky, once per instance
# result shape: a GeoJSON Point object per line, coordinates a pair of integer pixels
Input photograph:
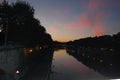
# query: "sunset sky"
{"type": "Point", "coordinates": [73, 19]}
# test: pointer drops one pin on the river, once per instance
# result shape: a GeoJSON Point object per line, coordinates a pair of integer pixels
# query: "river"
{"type": "Point", "coordinates": [66, 67]}
{"type": "Point", "coordinates": [49, 64]}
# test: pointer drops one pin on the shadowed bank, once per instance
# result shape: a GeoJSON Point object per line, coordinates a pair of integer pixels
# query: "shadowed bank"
{"type": "Point", "coordinates": [25, 64]}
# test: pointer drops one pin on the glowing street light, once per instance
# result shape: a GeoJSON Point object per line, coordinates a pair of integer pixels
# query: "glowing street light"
{"type": "Point", "coordinates": [17, 72]}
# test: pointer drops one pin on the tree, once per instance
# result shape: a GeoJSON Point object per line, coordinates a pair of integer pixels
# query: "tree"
{"type": "Point", "coordinates": [23, 28]}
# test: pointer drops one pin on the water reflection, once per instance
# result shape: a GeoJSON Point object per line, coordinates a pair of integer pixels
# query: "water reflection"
{"type": "Point", "coordinates": [104, 61]}
{"type": "Point", "coordinates": [23, 63]}
{"type": "Point", "coordinates": [65, 67]}
{"type": "Point", "coordinates": [66, 64]}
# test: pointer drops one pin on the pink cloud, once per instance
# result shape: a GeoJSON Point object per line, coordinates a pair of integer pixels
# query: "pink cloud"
{"type": "Point", "coordinates": [98, 31]}
{"type": "Point", "coordinates": [85, 21]}
{"type": "Point", "coordinates": [89, 19]}
{"type": "Point", "coordinates": [99, 23]}
{"type": "Point", "coordinates": [100, 18]}
{"type": "Point", "coordinates": [99, 15]}
{"type": "Point", "coordinates": [94, 4]}
{"type": "Point", "coordinates": [81, 22]}
{"type": "Point", "coordinates": [98, 28]}
{"type": "Point", "coordinates": [94, 18]}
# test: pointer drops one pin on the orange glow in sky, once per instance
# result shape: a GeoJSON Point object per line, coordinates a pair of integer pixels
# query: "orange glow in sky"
{"type": "Point", "coordinates": [74, 19]}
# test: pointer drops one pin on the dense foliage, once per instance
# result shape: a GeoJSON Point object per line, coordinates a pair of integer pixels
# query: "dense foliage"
{"type": "Point", "coordinates": [22, 27]}
{"type": "Point", "coordinates": [101, 41]}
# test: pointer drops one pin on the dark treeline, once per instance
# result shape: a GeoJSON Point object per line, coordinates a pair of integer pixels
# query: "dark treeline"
{"type": "Point", "coordinates": [105, 62]}
{"type": "Point", "coordinates": [21, 25]}
{"type": "Point", "coordinates": [105, 41]}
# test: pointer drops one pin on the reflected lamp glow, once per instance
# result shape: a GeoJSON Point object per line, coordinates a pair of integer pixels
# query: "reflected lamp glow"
{"type": "Point", "coordinates": [30, 50]}
{"type": "Point", "coordinates": [111, 49]}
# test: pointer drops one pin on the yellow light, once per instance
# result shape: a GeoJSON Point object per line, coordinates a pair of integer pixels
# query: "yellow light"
{"type": "Point", "coordinates": [30, 50]}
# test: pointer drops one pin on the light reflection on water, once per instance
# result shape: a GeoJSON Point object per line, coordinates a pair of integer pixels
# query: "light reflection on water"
{"type": "Point", "coordinates": [65, 64]}
{"type": "Point", "coordinates": [65, 67]}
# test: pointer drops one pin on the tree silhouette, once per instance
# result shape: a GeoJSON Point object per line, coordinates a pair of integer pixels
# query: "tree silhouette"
{"type": "Point", "coordinates": [23, 28]}
{"type": "Point", "coordinates": [105, 41]}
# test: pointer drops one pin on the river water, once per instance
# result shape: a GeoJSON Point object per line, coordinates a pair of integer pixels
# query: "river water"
{"type": "Point", "coordinates": [60, 64]}
{"type": "Point", "coordinates": [66, 67]}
